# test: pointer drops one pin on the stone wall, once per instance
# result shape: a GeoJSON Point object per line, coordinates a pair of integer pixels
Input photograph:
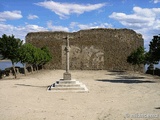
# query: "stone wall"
{"type": "Point", "coordinates": [93, 49]}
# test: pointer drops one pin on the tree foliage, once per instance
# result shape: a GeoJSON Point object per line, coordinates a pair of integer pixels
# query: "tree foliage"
{"type": "Point", "coordinates": [137, 57]}
{"type": "Point", "coordinates": [9, 49]}
{"type": "Point", "coordinates": [13, 49]}
{"type": "Point", "coordinates": [151, 57]}
{"type": "Point", "coordinates": [34, 56]}
{"type": "Point", "coordinates": [154, 49]}
{"type": "Point", "coordinates": [47, 55]}
{"type": "Point", "coordinates": [26, 55]}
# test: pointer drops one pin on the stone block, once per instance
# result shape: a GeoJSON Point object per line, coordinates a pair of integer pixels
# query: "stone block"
{"type": "Point", "coordinates": [67, 76]}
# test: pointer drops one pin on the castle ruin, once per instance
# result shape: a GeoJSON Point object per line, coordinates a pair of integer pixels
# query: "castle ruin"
{"type": "Point", "coordinates": [93, 49]}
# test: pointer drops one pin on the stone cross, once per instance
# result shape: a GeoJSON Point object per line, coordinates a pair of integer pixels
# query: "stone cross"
{"type": "Point", "coordinates": [67, 75]}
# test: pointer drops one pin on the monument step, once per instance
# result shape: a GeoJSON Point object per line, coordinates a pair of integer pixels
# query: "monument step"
{"type": "Point", "coordinates": [68, 91]}
{"type": "Point", "coordinates": [67, 85]}
{"type": "Point", "coordinates": [66, 81]}
{"type": "Point", "coordinates": [68, 88]}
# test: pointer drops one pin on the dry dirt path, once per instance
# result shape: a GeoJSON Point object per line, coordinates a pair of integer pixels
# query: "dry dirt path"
{"type": "Point", "coordinates": [111, 96]}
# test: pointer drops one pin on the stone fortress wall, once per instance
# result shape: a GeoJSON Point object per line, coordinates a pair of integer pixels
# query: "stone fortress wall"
{"type": "Point", "coordinates": [93, 49]}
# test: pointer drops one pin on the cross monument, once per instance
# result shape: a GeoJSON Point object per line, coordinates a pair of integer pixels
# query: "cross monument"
{"type": "Point", "coordinates": [67, 74]}
{"type": "Point", "coordinates": [67, 84]}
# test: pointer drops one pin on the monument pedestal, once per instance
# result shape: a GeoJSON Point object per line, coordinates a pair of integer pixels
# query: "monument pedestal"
{"type": "Point", "coordinates": [67, 76]}
{"type": "Point", "coordinates": [67, 86]}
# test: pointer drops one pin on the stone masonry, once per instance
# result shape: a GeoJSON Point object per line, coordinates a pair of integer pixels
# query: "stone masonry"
{"type": "Point", "coordinates": [93, 49]}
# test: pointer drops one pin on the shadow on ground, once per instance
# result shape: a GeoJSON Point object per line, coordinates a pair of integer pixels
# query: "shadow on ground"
{"type": "Point", "coordinates": [157, 107]}
{"type": "Point", "coordinates": [115, 72]}
{"type": "Point", "coordinates": [122, 77]}
{"type": "Point", "coordinates": [10, 79]}
{"type": "Point", "coordinates": [31, 85]}
{"type": "Point", "coordinates": [126, 81]}
{"type": "Point", "coordinates": [130, 77]}
{"type": "Point", "coordinates": [121, 71]}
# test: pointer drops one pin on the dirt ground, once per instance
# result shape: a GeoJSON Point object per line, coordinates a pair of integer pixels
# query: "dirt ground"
{"type": "Point", "coordinates": [112, 96]}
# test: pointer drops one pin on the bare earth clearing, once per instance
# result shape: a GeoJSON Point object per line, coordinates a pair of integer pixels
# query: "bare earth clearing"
{"type": "Point", "coordinates": [111, 96]}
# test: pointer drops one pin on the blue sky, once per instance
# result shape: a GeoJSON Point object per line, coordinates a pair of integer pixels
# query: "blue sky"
{"type": "Point", "coordinates": [18, 17]}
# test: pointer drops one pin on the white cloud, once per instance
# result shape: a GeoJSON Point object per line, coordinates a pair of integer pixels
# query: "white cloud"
{"type": "Point", "coordinates": [56, 28]}
{"type": "Point", "coordinates": [76, 25]}
{"type": "Point", "coordinates": [65, 9]}
{"type": "Point", "coordinates": [140, 18]}
{"type": "Point", "coordinates": [31, 17]}
{"type": "Point", "coordinates": [10, 15]}
{"type": "Point", "coordinates": [143, 20]}
{"type": "Point", "coordinates": [19, 31]}
{"type": "Point", "coordinates": [156, 1]}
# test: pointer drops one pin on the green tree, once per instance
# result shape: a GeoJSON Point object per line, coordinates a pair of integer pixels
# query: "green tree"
{"type": "Point", "coordinates": [47, 55]}
{"type": "Point", "coordinates": [137, 57]}
{"type": "Point", "coordinates": [154, 49]}
{"type": "Point", "coordinates": [9, 49]}
{"type": "Point", "coordinates": [34, 56]}
{"type": "Point", "coordinates": [37, 57]}
{"type": "Point", "coordinates": [153, 55]}
{"type": "Point", "coordinates": [26, 55]}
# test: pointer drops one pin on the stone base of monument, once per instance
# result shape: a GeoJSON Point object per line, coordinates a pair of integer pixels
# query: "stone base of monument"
{"type": "Point", "coordinates": [67, 86]}
{"type": "Point", "coordinates": [67, 76]}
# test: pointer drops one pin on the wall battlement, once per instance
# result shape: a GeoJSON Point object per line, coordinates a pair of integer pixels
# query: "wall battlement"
{"type": "Point", "coordinates": [93, 49]}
